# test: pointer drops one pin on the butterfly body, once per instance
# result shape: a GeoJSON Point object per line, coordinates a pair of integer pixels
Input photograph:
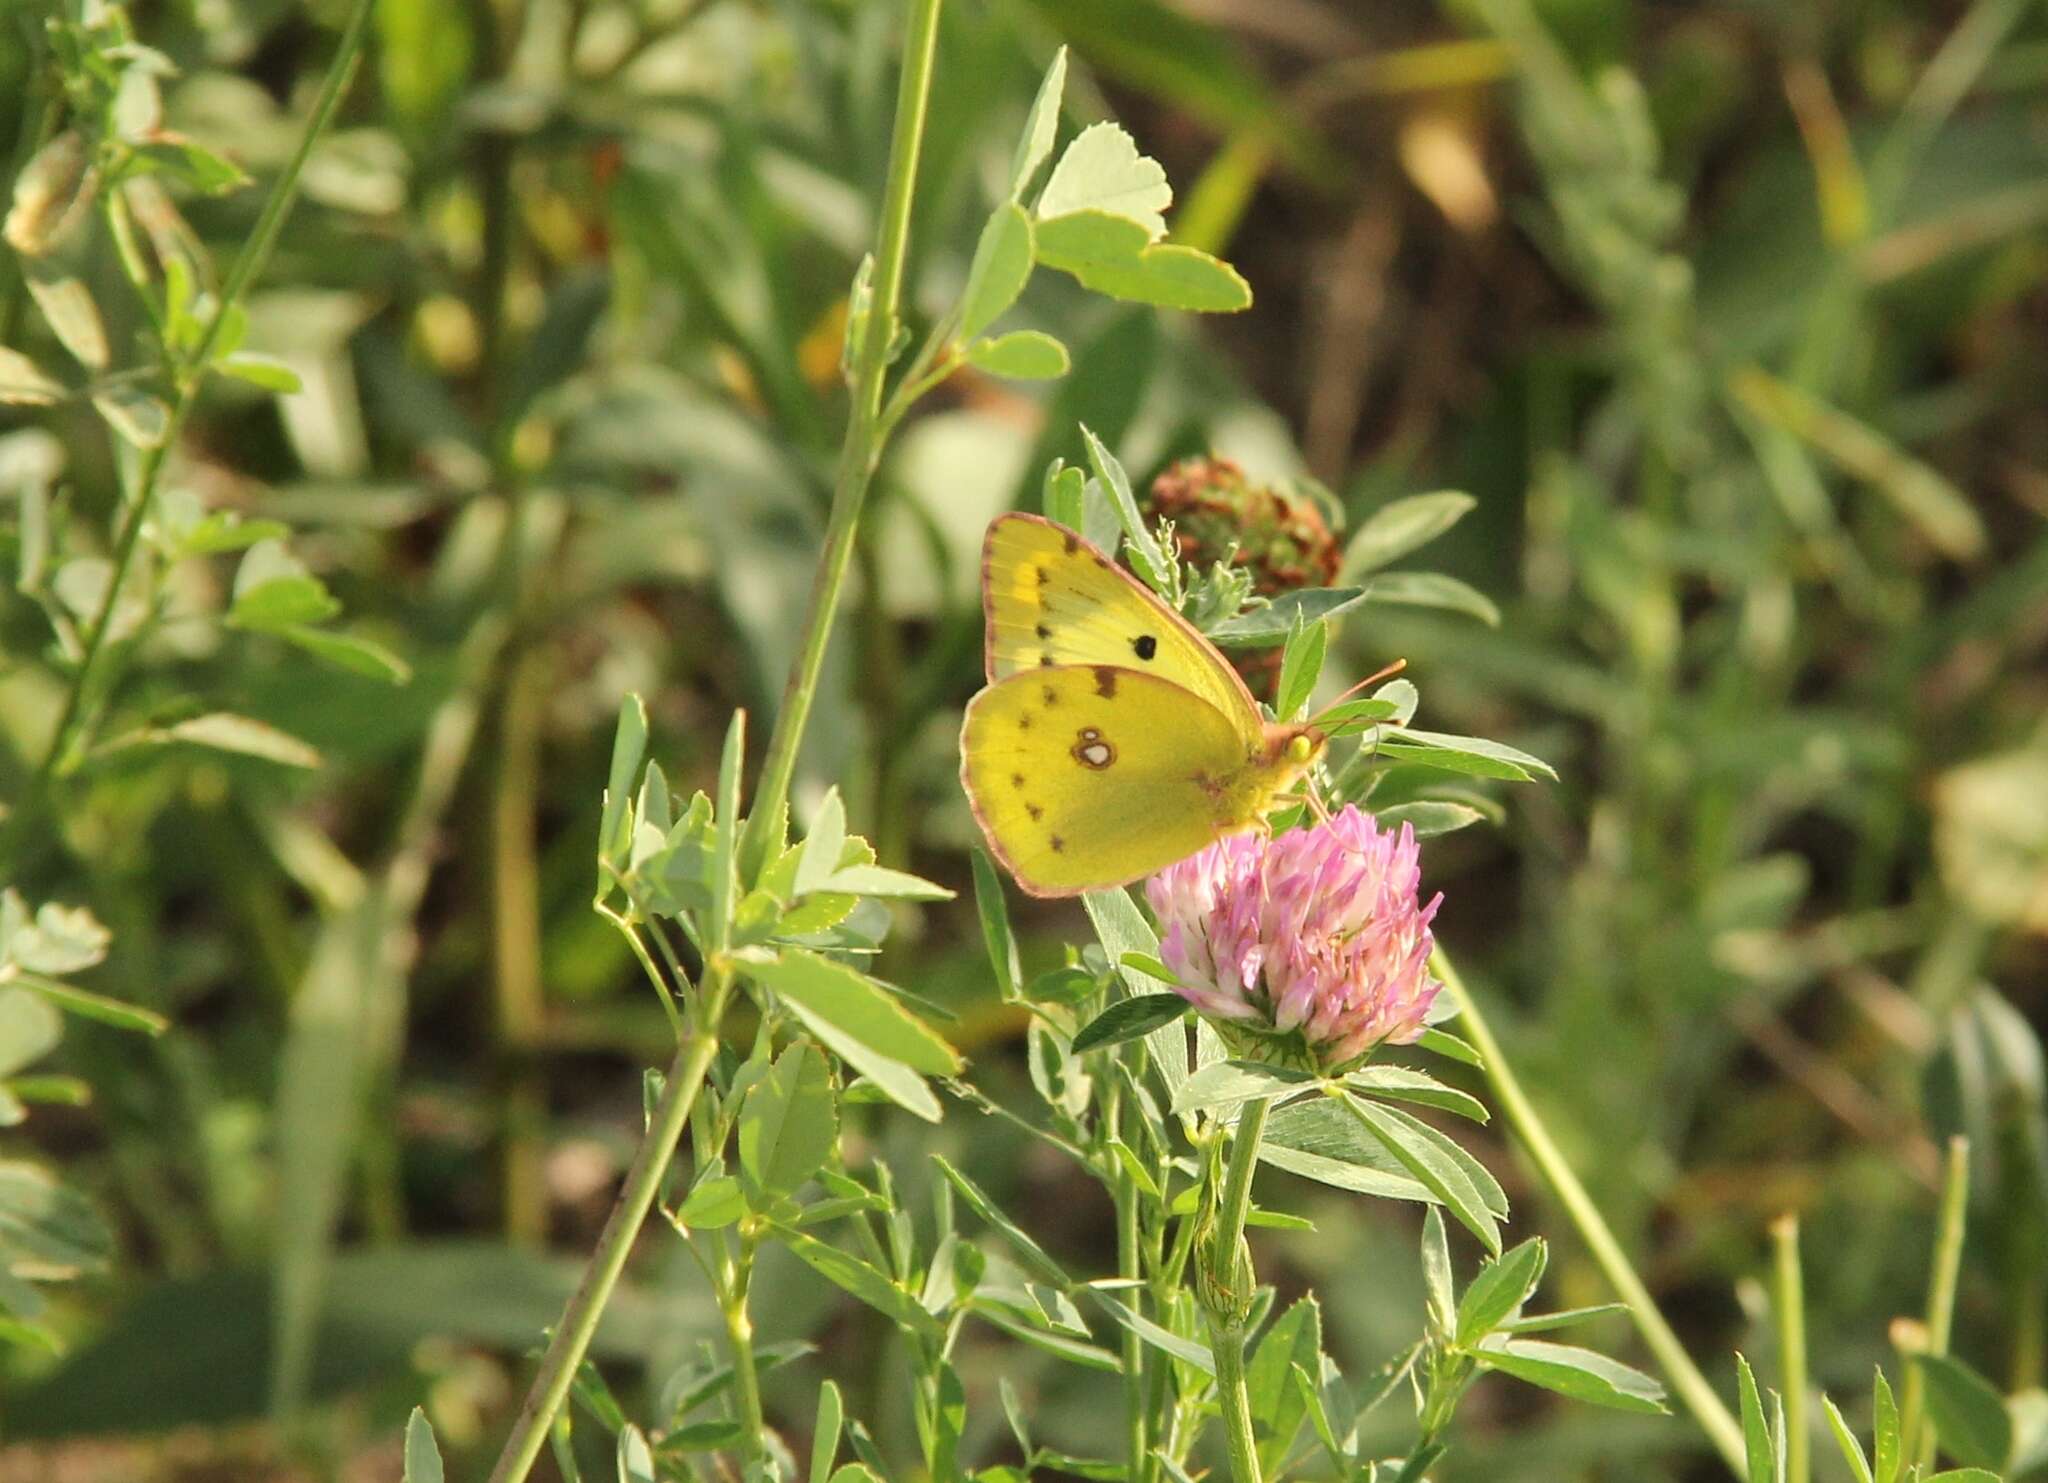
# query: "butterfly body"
{"type": "Point", "coordinates": [1112, 739]}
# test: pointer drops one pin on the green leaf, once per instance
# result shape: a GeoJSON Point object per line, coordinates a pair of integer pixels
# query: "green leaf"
{"type": "Point", "coordinates": [1429, 817]}
{"type": "Point", "coordinates": [996, 935]}
{"type": "Point", "coordinates": [1001, 268]}
{"type": "Point", "coordinates": [1187, 1351]}
{"type": "Point", "coordinates": [1404, 1084]}
{"type": "Point", "coordinates": [1401, 526]}
{"type": "Point", "coordinates": [1061, 986]}
{"type": "Point", "coordinates": [1035, 1256]}
{"type": "Point", "coordinates": [24, 384]}
{"type": "Point", "coordinates": [1263, 627]}
{"type": "Point", "coordinates": [75, 320]}
{"type": "Point", "coordinates": [723, 861]}
{"type": "Point", "coordinates": [273, 590]}
{"type": "Point", "coordinates": [824, 846]}
{"type": "Point", "coordinates": [1884, 1430]}
{"type": "Point", "coordinates": [48, 1226]}
{"type": "Point", "coordinates": [1114, 256]}
{"type": "Point", "coordinates": [1433, 590]}
{"type": "Point", "coordinates": [635, 1458]}
{"type": "Point", "coordinates": [1121, 928]}
{"type": "Point", "coordinates": [1759, 1452]}
{"type": "Point", "coordinates": [1425, 1153]}
{"type": "Point", "coordinates": [1852, 1450]}
{"type": "Point", "coordinates": [629, 747]}
{"type": "Point", "coordinates": [822, 991]}
{"type": "Point", "coordinates": [1445, 1044]}
{"type": "Point", "coordinates": [29, 1029]}
{"type": "Point", "coordinates": [1102, 171]}
{"type": "Point", "coordinates": [224, 731]}
{"type": "Point", "coordinates": [825, 1431]}
{"type": "Point", "coordinates": [1022, 355]}
{"type": "Point", "coordinates": [1571, 1371]}
{"type": "Point", "coordinates": [1064, 499]}
{"type": "Point", "coordinates": [1230, 1083]}
{"type": "Point", "coordinates": [1295, 1339]}
{"type": "Point", "coordinates": [713, 1203]}
{"type": "Point", "coordinates": [58, 939]}
{"type": "Point", "coordinates": [422, 1456]}
{"type": "Point", "coordinates": [788, 1125]}
{"type": "Point", "coordinates": [1502, 1286]}
{"type": "Point", "coordinates": [1152, 562]}
{"type": "Point", "coordinates": [1127, 1019]}
{"type": "Point", "coordinates": [1041, 127]}
{"type": "Point", "coordinates": [1439, 1292]}
{"type": "Point", "coordinates": [878, 881]}
{"type": "Point", "coordinates": [1537, 1323]}
{"type": "Point", "coordinates": [1148, 965]}
{"type": "Point", "coordinates": [1965, 1475]}
{"type": "Point", "coordinates": [865, 1282]}
{"type": "Point", "coordinates": [1472, 755]}
{"type": "Point", "coordinates": [261, 370]}
{"type": "Point", "coordinates": [1300, 667]}
{"type": "Point", "coordinates": [1969, 1414]}
{"type": "Point", "coordinates": [347, 651]}
{"type": "Point", "coordinates": [1318, 1139]}
{"type": "Point", "coordinates": [136, 415]}
{"type": "Point", "coordinates": [97, 1007]}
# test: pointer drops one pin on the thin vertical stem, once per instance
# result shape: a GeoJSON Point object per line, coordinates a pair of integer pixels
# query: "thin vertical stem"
{"type": "Point", "coordinates": [1788, 1304]}
{"type": "Point", "coordinates": [643, 1182]}
{"type": "Point", "coordinates": [1916, 1438]}
{"type": "Point", "coordinates": [1691, 1387]}
{"type": "Point", "coordinates": [248, 263]}
{"type": "Point", "coordinates": [1137, 1427]}
{"type": "Point", "coordinates": [739, 1334]}
{"type": "Point", "coordinates": [863, 446]}
{"type": "Point", "coordinates": [1226, 1319]}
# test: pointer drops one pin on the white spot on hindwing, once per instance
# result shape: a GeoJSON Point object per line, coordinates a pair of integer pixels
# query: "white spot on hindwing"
{"type": "Point", "coordinates": [1091, 750]}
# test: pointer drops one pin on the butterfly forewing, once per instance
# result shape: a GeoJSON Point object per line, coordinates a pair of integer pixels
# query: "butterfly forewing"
{"type": "Point", "coordinates": [1053, 599]}
{"type": "Point", "coordinates": [1090, 776]}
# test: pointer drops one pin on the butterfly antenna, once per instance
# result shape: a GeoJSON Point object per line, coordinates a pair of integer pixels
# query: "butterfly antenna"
{"type": "Point", "coordinates": [1372, 679]}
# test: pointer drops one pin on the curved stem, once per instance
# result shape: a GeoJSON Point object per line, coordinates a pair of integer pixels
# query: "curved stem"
{"type": "Point", "coordinates": [643, 1182]}
{"type": "Point", "coordinates": [865, 433]}
{"type": "Point", "coordinates": [746, 1380]}
{"type": "Point", "coordinates": [1691, 1387]}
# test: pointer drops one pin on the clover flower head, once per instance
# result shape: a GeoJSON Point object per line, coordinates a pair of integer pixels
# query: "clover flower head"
{"type": "Point", "coordinates": [1318, 932]}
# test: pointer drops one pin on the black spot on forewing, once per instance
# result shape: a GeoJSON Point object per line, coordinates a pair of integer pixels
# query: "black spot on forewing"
{"type": "Point", "coordinates": [1145, 645]}
{"type": "Point", "coordinates": [1045, 661]}
{"type": "Point", "coordinates": [1105, 681]}
{"type": "Point", "coordinates": [1042, 631]}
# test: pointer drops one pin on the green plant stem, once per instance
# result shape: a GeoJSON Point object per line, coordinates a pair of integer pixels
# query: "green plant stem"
{"type": "Point", "coordinates": [1692, 1387]}
{"type": "Point", "coordinates": [865, 434]}
{"type": "Point", "coordinates": [643, 1182]}
{"type": "Point", "coordinates": [1916, 1437]}
{"type": "Point", "coordinates": [1226, 1327]}
{"type": "Point", "coordinates": [1137, 1430]}
{"type": "Point", "coordinates": [189, 375]}
{"type": "Point", "coordinates": [739, 1334]}
{"type": "Point", "coordinates": [861, 452]}
{"type": "Point", "coordinates": [1788, 1303]}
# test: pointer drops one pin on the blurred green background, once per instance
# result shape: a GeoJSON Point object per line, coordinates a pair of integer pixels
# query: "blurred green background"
{"type": "Point", "coordinates": [1732, 317]}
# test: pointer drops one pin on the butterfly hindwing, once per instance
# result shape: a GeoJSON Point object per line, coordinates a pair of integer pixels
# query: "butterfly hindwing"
{"type": "Point", "coordinates": [1053, 599]}
{"type": "Point", "coordinates": [1089, 776]}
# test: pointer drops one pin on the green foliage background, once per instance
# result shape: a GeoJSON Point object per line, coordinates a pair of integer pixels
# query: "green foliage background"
{"type": "Point", "coordinates": [1730, 318]}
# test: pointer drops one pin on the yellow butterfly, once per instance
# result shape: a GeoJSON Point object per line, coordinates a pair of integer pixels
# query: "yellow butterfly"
{"type": "Point", "coordinates": [1112, 739]}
